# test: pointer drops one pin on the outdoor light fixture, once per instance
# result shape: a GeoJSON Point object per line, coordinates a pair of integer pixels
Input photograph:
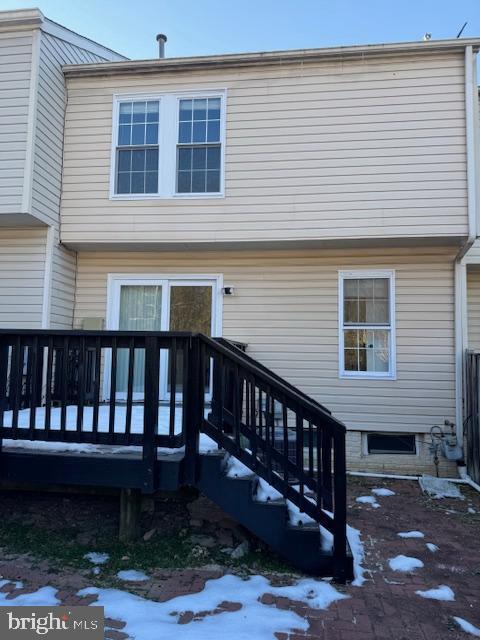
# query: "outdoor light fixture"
{"type": "Point", "coordinates": [228, 291]}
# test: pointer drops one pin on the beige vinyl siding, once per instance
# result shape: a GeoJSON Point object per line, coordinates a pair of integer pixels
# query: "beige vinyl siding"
{"type": "Point", "coordinates": [22, 261]}
{"type": "Point", "coordinates": [63, 287]}
{"type": "Point", "coordinates": [286, 308]}
{"type": "Point", "coordinates": [358, 148]}
{"type": "Point", "coordinates": [473, 306]}
{"type": "Point", "coordinates": [15, 72]}
{"type": "Point", "coordinates": [49, 124]}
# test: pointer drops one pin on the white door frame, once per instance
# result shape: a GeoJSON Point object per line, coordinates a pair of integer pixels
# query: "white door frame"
{"type": "Point", "coordinates": [166, 281]}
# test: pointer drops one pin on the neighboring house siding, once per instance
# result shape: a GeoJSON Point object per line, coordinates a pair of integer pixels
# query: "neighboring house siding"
{"type": "Point", "coordinates": [47, 174]}
{"type": "Point", "coordinates": [473, 306]}
{"type": "Point", "coordinates": [22, 263]}
{"type": "Point", "coordinates": [286, 308]}
{"type": "Point", "coordinates": [15, 76]}
{"type": "Point", "coordinates": [365, 148]}
{"type": "Point", "coordinates": [49, 127]}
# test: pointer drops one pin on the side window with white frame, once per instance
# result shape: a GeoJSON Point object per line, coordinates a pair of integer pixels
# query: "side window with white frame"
{"type": "Point", "coordinates": [367, 324]}
{"type": "Point", "coordinates": [137, 152]}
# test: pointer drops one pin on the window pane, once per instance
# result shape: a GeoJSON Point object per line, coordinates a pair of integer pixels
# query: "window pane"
{"type": "Point", "coordinates": [365, 288]}
{"type": "Point", "coordinates": [125, 113]}
{"type": "Point", "coordinates": [185, 159]}
{"type": "Point", "coordinates": [138, 182]}
{"type": "Point", "coordinates": [138, 160]}
{"type": "Point", "coordinates": [151, 159]}
{"type": "Point", "coordinates": [198, 181]}
{"type": "Point", "coordinates": [199, 158]}
{"type": "Point", "coordinates": [213, 131]}
{"type": "Point", "coordinates": [350, 311]}
{"type": "Point", "coordinates": [124, 133]}
{"type": "Point", "coordinates": [123, 183]}
{"type": "Point", "coordinates": [381, 287]}
{"type": "Point", "coordinates": [139, 111]}
{"type": "Point", "coordinates": [124, 160]}
{"type": "Point", "coordinates": [185, 132]}
{"type": "Point", "coordinates": [213, 181]}
{"type": "Point", "coordinates": [350, 288]}
{"type": "Point", "coordinates": [381, 312]}
{"type": "Point", "coordinates": [200, 109]}
{"type": "Point", "coordinates": [152, 111]}
{"type": "Point", "coordinates": [151, 182]}
{"type": "Point", "coordinates": [213, 158]}
{"type": "Point", "coordinates": [214, 108]}
{"type": "Point", "coordinates": [151, 134]}
{"type": "Point", "coordinates": [183, 182]}
{"type": "Point", "coordinates": [351, 360]}
{"type": "Point", "coordinates": [138, 134]}
{"type": "Point", "coordinates": [185, 110]}
{"type": "Point", "coordinates": [199, 131]}
{"type": "Point", "coordinates": [351, 338]}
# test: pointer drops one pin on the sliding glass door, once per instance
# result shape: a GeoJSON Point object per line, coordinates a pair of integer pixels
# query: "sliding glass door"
{"type": "Point", "coordinates": [161, 304]}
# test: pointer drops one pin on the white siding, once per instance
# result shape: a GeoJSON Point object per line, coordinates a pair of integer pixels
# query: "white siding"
{"type": "Point", "coordinates": [63, 288]}
{"type": "Point", "coordinates": [15, 69]}
{"type": "Point", "coordinates": [357, 148]}
{"type": "Point", "coordinates": [286, 308]}
{"type": "Point", "coordinates": [22, 261]}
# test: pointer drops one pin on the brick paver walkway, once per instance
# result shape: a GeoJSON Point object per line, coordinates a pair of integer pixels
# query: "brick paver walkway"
{"type": "Point", "coordinates": [384, 608]}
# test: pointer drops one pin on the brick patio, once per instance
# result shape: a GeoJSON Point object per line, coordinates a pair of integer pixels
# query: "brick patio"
{"type": "Point", "coordinates": [385, 607]}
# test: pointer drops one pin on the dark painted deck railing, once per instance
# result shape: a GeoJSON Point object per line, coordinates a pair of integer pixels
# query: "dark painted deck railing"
{"type": "Point", "coordinates": [67, 386]}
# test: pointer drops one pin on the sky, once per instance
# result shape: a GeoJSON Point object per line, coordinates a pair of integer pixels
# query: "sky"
{"type": "Point", "coordinates": [204, 27]}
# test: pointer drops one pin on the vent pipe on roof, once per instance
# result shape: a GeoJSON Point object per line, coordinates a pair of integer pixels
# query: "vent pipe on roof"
{"type": "Point", "coordinates": [161, 39]}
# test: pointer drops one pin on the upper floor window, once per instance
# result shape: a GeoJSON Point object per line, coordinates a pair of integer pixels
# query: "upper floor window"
{"type": "Point", "coordinates": [137, 153]}
{"type": "Point", "coordinates": [367, 321]}
{"type": "Point", "coordinates": [168, 146]}
{"type": "Point", "coordinates": [199, 147]}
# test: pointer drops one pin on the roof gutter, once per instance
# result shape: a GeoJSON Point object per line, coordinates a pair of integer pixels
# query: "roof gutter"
{"type": "Point", "coordinates": [168, 65]}
{"type": "Point", "coordinates": [473, 195]}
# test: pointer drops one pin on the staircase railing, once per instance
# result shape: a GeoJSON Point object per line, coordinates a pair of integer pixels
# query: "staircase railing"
{"type": "Point", "coordinates": [283, 436]}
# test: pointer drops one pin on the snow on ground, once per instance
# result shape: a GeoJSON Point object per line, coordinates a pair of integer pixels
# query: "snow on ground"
{"type": "Point", "coordinates": [411, 534]}
{"type": "Point", "coordinates": [438, 488]}
{"type": "Point", "coordinates": [97, 558]}
{"type": "Point", "coordinates": [467, 627]}
{"type": "Point", "coordinates": [440, 593]}
{"type": "Point", "coordinates": [358, 553]}
{"type": "Point", "coordinates": [131, 575]}
{"type": "Point", "coordinates": [146, 619]}
{"type": "Point", "coordinates": [432, 547]}
{"type": "Point", "coordinates": [404, 563]}
{"type": "Point", "coordinates": [383, 491]}
{"type": "Point", "coordinates": [368, 500]}
{"type": "Point", "coordinates": [44, 597]}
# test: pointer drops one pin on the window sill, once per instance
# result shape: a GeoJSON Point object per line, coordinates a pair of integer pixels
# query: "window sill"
{"type": "Point", "coordinates": [367, 376]}
{"type": "Point", "coordinates": [172, 196]}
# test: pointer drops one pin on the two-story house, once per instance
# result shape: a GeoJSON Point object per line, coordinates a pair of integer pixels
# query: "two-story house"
{"type": "Point", "coordinates": [314, 205]}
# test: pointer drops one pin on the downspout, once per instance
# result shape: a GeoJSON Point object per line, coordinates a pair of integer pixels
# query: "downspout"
{"type": "Point", "coordinates": [461, 325]}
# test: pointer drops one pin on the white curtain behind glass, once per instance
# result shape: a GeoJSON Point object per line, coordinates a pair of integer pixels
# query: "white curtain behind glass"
{"type": "Point", "coordinates": [140, 310]}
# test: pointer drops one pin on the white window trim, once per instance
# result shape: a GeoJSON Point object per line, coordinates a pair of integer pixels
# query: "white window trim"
{"type": "Point", "coordinates": [392, 373]}
{"type": "Point", "coordinates": [167, 143]}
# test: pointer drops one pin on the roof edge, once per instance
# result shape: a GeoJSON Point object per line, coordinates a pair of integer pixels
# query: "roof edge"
{"type": "Point", "coordinates": [156, 65]}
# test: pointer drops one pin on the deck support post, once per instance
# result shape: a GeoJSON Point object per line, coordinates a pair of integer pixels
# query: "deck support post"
{"type": "Point", "coordinates": [129, 528]}
{"type": "Point", "coordinates": [340, 512]}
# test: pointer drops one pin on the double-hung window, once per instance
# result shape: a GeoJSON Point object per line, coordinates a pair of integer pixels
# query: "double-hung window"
{"type": "Point", "coordinates": [367, 324]}
{"type": "Point", "coordinates": [137, 152]}
{"type": "Point", "coordinates": [168, 145]}
{"type": "Point", "coordinates": [199, 146]}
